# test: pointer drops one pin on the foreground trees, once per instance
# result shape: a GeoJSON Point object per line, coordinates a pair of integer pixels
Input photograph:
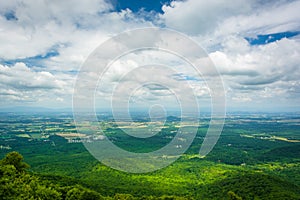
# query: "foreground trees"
{"type": "Point", "coordinates": [18, 184]}
{"type": "Point", "coordinates": [16, 160]}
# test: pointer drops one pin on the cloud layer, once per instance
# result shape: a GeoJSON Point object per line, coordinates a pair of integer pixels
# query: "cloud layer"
{"type": "Point", "coordinates": [44, 43]}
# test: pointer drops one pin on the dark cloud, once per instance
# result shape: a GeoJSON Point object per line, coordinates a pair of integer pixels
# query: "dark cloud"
{"type": "Point", "coordinates": [250, 73]}
{"type": "Point", "coordinates": [264, 80]}
{"type": "Point", "coordinates": [155, 87]}
{"type": "Point", "coordinates": [246, 88]}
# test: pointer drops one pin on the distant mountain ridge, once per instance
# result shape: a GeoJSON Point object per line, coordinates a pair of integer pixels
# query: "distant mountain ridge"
{"type": "Point", "coordinates": [27, 109]}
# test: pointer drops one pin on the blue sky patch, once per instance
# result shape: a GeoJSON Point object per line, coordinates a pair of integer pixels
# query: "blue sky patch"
{"type": "Point", "coordinates": [268, 38]}
{"type": "Point", "coordinates": [182, 77]}
{"type": "Point", "coordinates": [137, 5]}
{"type": "Point", "coordinates": [10, 15]}
{"type": "Point", "coordinates": [32, 61]}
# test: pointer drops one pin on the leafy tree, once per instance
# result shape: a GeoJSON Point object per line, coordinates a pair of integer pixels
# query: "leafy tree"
{"type": "Point", "coordinates": [233, 196]}
{"type": "Point", "coordinates": [73, 194]}
{"type": "Point", "coordinates": [15, 159]}
{"type": "Point", "coordinates": [79, 193]}
{"type": "Point", "coordinates": [123, 197]}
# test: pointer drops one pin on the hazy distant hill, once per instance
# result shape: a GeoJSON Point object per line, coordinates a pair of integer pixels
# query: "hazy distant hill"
{"type": "Point", "coordinates": [25, 109]}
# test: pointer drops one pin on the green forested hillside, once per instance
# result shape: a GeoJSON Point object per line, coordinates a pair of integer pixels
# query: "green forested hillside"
{"type": "Point", "coordinates": [183, 180]}
{"type": "Point", "coordinates": [255, 158]}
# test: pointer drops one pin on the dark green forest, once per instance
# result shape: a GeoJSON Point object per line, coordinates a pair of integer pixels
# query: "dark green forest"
{"type": "Point", "coordinates": [18, 182]}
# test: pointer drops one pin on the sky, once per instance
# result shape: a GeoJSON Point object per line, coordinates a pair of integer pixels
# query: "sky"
{"type": "Point", "coordinates": [254, 44]}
